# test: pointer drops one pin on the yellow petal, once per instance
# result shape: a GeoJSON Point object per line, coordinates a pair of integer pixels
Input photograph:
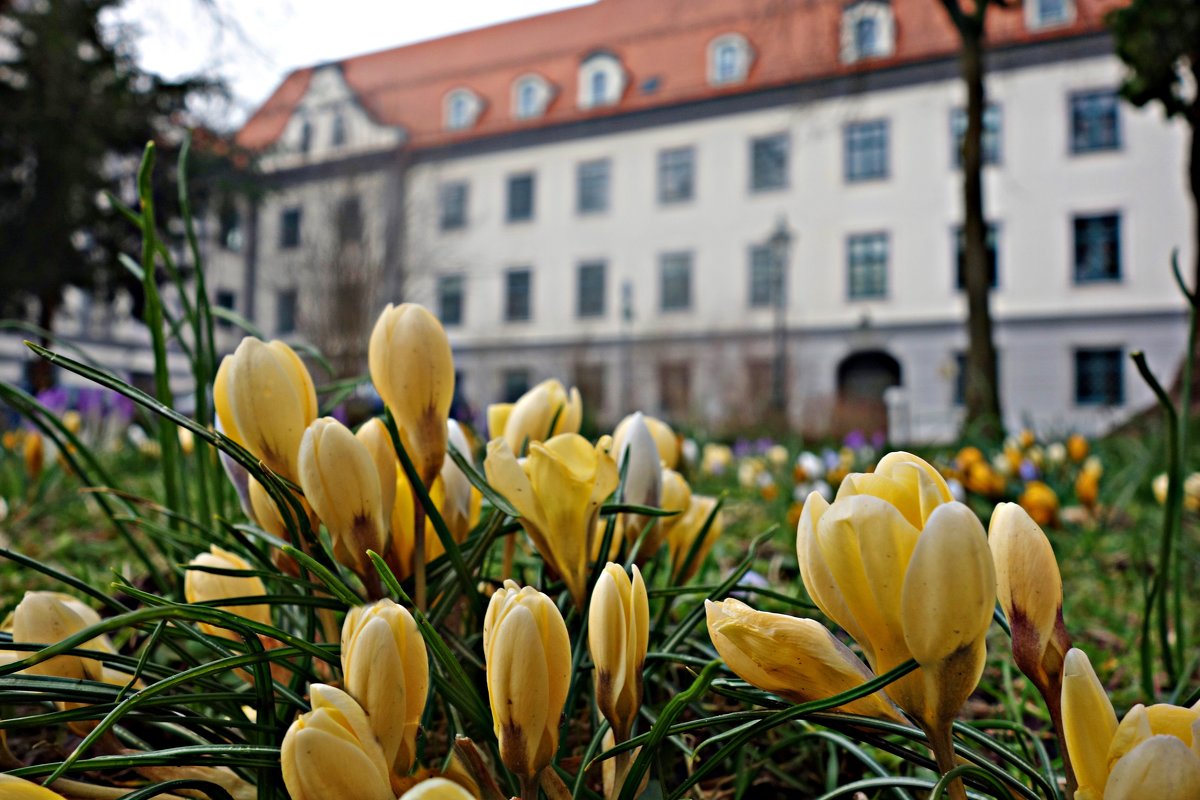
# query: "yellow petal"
{"type": "Point", "coordinates": [332, 752]}
{"type": "Point", "coordinates": [497, 418]}
{"type": "Point", "coordinates": [374, 435]}
{"type": "Point", "coordinates": [798, 659]}
{"type": "Point", "coordinates": [437, 789]}
{"type": "Point", "coordinates": [14, 788]}
{"type": "Point", "coordinates": [681, 537]}
{"type": "Point", "coordinates": [1161, 767]}
{"type": "Point", "coordinates": [208, 587]}
{"type": "Point", "coordinates": [518, 680]}
{"type": "Point", "coordinates": [1089, 722]}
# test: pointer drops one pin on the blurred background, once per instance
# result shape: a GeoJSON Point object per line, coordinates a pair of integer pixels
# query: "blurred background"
{"type": "Point", "coordinates": [891, 219]}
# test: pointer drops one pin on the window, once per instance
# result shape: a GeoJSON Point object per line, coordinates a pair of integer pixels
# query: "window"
{"type": "Point", "coordinates": [868, 30]}
{"type": "Point", "coordinates": [518, 287]}
{"type": "Point", "coordinates": [1097, 248]}
{"type": "Point", "coordinates": [601, 81]}
{"type": "Point", "coordinates": [866, 150]}
{"type": "Point", "coordinates": [960, 257]}
{"type": "Point", "coordinates": [452, 205]}
{"type": "Point", "coordinates": [461, 109]}
{"type": "Point", "coordinates": [349, 220]}
{"type": "Point", "coordinates": [286, 303]}
{"type": "Point", "coordinates": [1048, 13]}
{"type": "Point", "coordinates": [675, 281]}
{"type": "Point", "coordinates": [729, 59]}
{"type": "Point", "coordinates": [289, 228]}
{"type": "Point", "coordinates": [589, 379]}
{"type": "Point", "coordinates": [763, 292]}
{"type": "Point", "coordinates": [590, 293]}
{"type": "Point", "coordinates": [520, 197]}
{"type": "Point", "coordinates": [960, 377]}
{"type": "Point", "coordinates": [676, 175]}
{"type": "Point", "coordinates": [592, 186]}
{"type": "Point", "coordinates": [867, 260]}
{"type": "Point", "coordinates": [675, 388]}
{"type": "Point", "coordinates": [227, 300]}
{"type": "Point", "coordinates": [305, 136]}
{"type": "Point", "coordinates": [337, 137]}
{"type": "Point", "coordinates": [769, 163]}
{"type": "Point", "coordinates": [1095, 124]}
{"type": "Point", "coordinates": [1099, 377]}
{"type": "Point", "coordinates": [229, 226]}
{"type": "Point", "coordinates": [516, 383]}
{"type": "Point", "coordinates": [531, 94]}
{"type": "Point", "coordinates": [991, 134]}
{"type": "Point", "coordinates": [450, 290]}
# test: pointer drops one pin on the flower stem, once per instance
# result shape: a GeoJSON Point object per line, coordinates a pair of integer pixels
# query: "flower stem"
{"type": "Point", "coordinates": [941, 742]}
{"type": "Point", "coordinates": [419, 552]}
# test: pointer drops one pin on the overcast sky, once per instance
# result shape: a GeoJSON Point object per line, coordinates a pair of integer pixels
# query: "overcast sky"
{"type": "Point", "coordinates": [253, 44]}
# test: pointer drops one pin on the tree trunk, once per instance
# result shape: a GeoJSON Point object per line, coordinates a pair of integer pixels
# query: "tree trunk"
{"type": "Point", "coordinates": [982, 391]}
{"type": "Point", "coordinates": [41, 372]}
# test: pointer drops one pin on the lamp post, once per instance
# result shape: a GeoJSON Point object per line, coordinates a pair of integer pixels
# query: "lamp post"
{"type": "Point", "coordinates": [780, 244]}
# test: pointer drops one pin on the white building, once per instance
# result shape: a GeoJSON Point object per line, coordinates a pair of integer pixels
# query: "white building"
{"type": "Point", "coordinates": [589, 195]}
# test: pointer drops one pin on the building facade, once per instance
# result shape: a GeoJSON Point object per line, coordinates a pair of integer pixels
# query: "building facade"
{"type": "Point", "coordinates": [703, 209]}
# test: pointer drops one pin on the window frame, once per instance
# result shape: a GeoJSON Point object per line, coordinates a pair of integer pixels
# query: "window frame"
{"type": "Point", "coordinates": [287, 298]}
{"type": "Point", "coordinates": [857, 244]}
{"type": "Point", "coordinates": [595, 305]}
{"type": "Point", "coordinates": [855, 136]}
{"type": "Point", "coordinates": [291, 234]}
{"type": "Point", "coordinates": [1082, 145]}
{"type": "Point", "coordinates": [991, 156]}
{"type": "Point", "coordinates": [737, 68]}
{"type": "Point", "coordinates": [581, 179]}
{"type": "Point", "coordinates": [667, 166]}
{"type": "Point", "coordinates": [511, 311]}
{"type": "Point", "coordinates": [957, 244]}
{"type": "Point", "coordinates": [1082, 277]}
{"type": "Point", "coordinates": [510, 210]}
{"type": "Point", "coordinates": [764, 278]}
{"type": "Point", "coordinates": [1114, 400]}
{"type": "Point", "coordinates": [682, 261]}
{"type": "Point", "coordinates": [760, 145]}
{"type": "Point", "coordinates": [458, 294]}
{"type": "Point", "coordinates": [447, 222]}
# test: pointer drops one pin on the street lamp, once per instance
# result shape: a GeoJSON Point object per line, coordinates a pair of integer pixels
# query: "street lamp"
{"type": "Point", "coordinates": [780, 244]}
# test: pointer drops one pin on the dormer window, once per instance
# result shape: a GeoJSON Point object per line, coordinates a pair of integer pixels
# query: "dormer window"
{"type": "Point", "coordinates": [729, 58]}
{"type": "Point", "coordinates": [868, 31]}
{"type": "Point", "coordinates": [305, 136]}
{"type": "Point", "coordinates": [601, 81]}
{"type": "Point", "coordinates": [531, 95]}
{"type": "Point", "coordinates": [1049, 13]}
{"type": "Point", "coordinates": [462, 107]}
{"type": "Point", "coordinates": [337, 137]}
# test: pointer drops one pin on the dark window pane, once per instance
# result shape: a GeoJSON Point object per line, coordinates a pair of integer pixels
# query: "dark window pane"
{"type": "Point", "coordinates": [675, 389]}
{"type": "Point", "coordinates": [520, 197]}
{"type": "Point", "coordinates": [676, 175]}
{"type": "Point", "coordinates": [866, 150]}
{"type": "Point", "coordinates": [452, 202]}
{"type": "Point", "coordinates": [762, 276]}
{"type": "Point", "coordinates": [289, 228]}
{"type": "Point", "coordinates": [517, 290]}
{"type": "Point", "coordinates": [450, 299]}
{"type": "Point", "coordinates": [349, 220]}
{"type": "Point", "coordinates": [591, 289]}
{"type": "Point", "coordinates": [286, 302]}
{"type": "Point", "coordinates": [769, 163]}
{"type": "Point", "coordinates": [338, 136]}
{"type": "Point", "coordinates": [867, 259]}
{"type": "Point", "coordinates": [589, 379]}
{"type": "Point", "coordinates": [1099, 377]}
{"type": "Point", "coordinates": [675, 281]}
{"type": "Point", "coordinates": [516, 383]}
{"type": "Point", "coordinates": [991, 134]}
{"type": "Point", "coordinates": [227, 300]}
{"type": "Point", "coordinates": [593, 186]}
{"type": "Point", "coordinates": [1095, 124]}
{"type": "Point", "coordinates": [1097, 248]}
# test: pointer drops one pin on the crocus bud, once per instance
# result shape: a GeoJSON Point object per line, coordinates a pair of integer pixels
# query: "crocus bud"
{"type": "Point", "coordinates": [528, 655]}
{"type": "Point", "coordinates": [795, 658]}
{"type": "Point", "coordinates": [1041, 502]}
{"type": "Point", "coordinates": [437, 789]}
{"type": "Point", "coordinates": [48, 618]}
{"type": "Point", "coordinates": [208, 587]}
{"type": "Point", "coordinates": [413, 370]}
{"type": "Point", "coordinates": [265, 511]}
{"type": "Point", "coordinates": [664, 438]}
{"type": "Point", "coordinates": [682, 536]}
{"type": "Point", "coordinates": [1077, 447]}
{"type": "Point", "coordinates": [545, 411]}
{"type": "Point", "coordinates": [33, 450]}
{"type": "Point", "coordinates": [387, 671]}
{"type": "Point", "coordinates": [14, 788]}
{"type": "Point", "coordinates": [460, 501]}
{"type": "Point", "coordinates": [341, 481]}
{"type": "Point", "coordinates": [1089, 723]}
{"type": "Point", "coordinates": [239, 478]}
{"type": "Point", "coordinates": [332, 752]}
{"type": "Point", "coordinates": [640, 460]}
{"type": "Point", "coordinates": [558, 490]}
{"type": "Point", "coordinates": [618, 633]}
{"type": "Point", "coordinates": [265, 399]}
{"type": "Point", "coordinates": [1029, 588]}
{"type": "Point", "coordinates": [374, 435]}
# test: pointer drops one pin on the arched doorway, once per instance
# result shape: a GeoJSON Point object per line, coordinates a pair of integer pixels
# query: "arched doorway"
{"type": "Point", "coordinates": [862, 378]}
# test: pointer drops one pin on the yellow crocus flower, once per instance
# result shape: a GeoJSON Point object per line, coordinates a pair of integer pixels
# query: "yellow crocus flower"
{"type": "Point", "coordinates": [618, 633]}
{"type": "Point", "coordinates": [332, 752]}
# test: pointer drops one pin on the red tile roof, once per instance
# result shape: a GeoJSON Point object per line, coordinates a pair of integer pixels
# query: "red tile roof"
{"type": "Point", "coordinates": [793, 41]}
